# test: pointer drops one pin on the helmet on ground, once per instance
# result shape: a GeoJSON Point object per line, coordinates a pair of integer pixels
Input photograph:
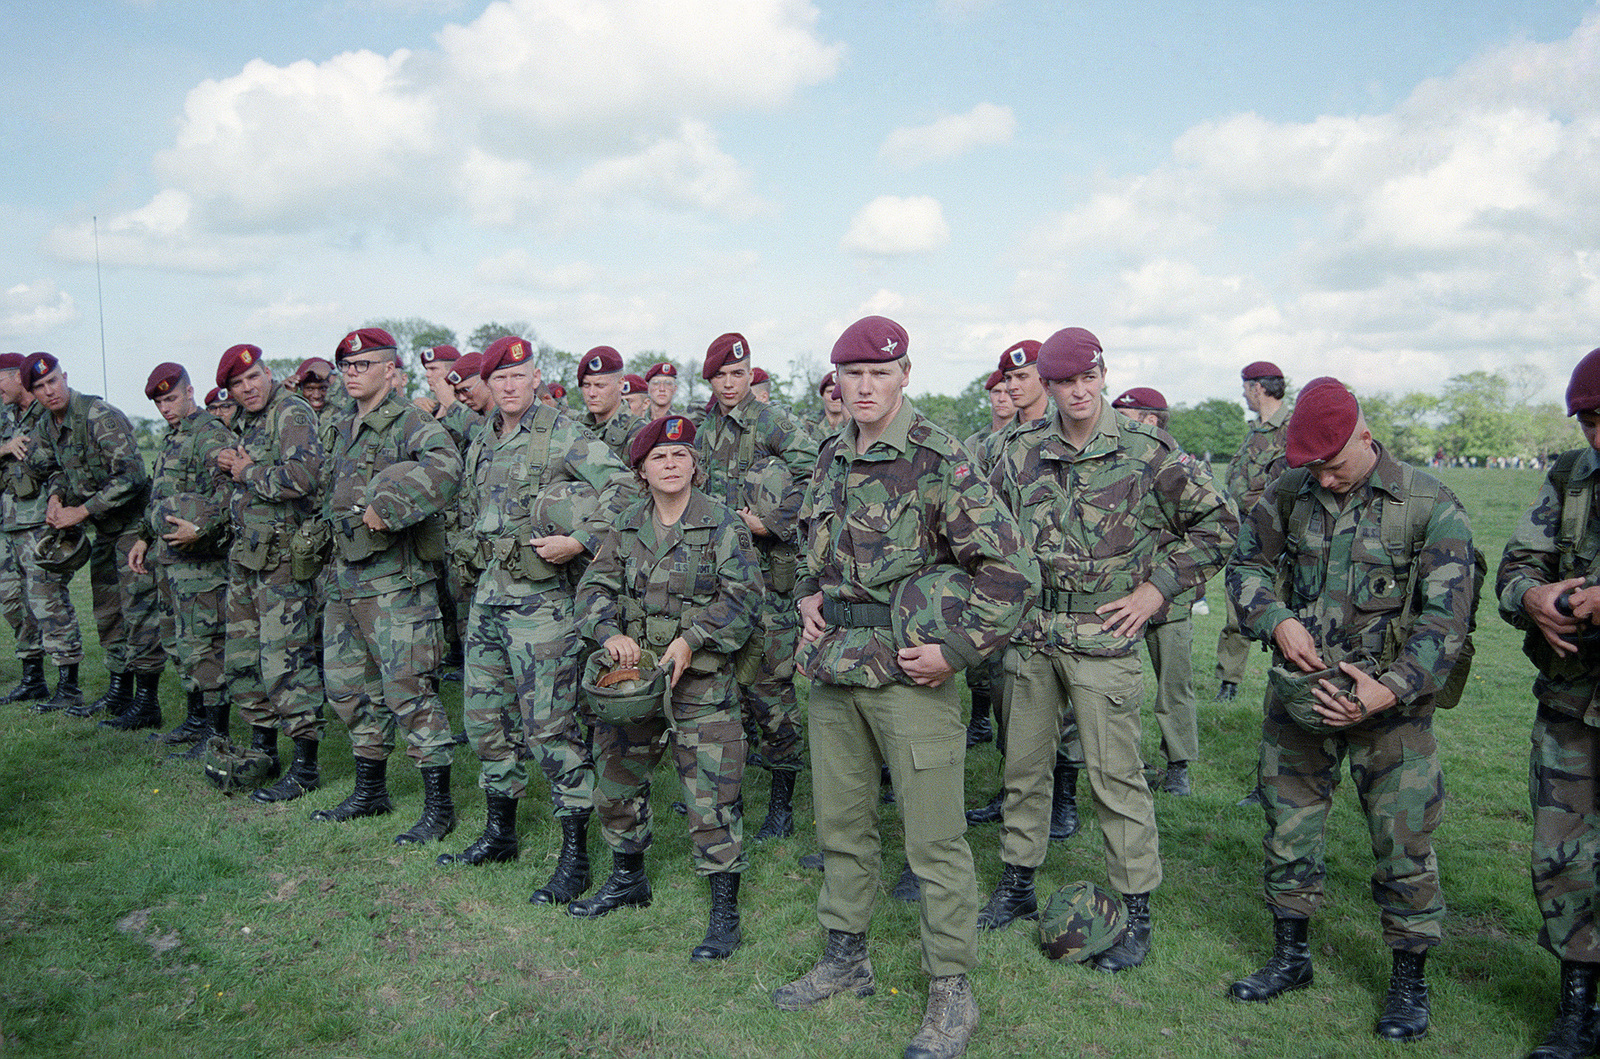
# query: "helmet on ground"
{"type": "Point", "coordinates": [623, 694]}
{"type": "Point", "coordinates": [1081, 921]}
{"type": "Point", "coordinates": [231, 768]}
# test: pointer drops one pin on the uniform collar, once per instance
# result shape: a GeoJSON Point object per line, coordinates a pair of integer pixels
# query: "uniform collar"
{"type": "Point", "coordinates": [896, 436]}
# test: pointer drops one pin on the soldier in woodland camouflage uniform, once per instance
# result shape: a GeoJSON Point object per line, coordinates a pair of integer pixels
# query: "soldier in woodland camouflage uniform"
{"type": "Point", "coordinates": [1121, 522]}
{"type": "Point", "coordinates": [37, 603]}
{"type": "Point", "coordinates": [1331, 594]}
{"type": "Point", "coordinates": [600, 383]}
{"type": "Point", "coordinates": [984, 445]}
{"type": "Point", "coordinates": [85, 455]}
{"type": "Point", "coordinates": [270, 660]}
{"type": "Point", "coordinates": [1547, 586]}
{"type": "Point", "coordinates": [636, 392]}
{"type": "Point", "coordinates": [661, 382]}
{"type": "Point", "coordinates": [389, 471]}
{"type": "Point", "coordinates": [679, 577]}
{"type": "Point", "coordinates": [522, 638]}
{"type": "Point", "coordinates": [183, 540]}
{"type": "Point", "coordinates": [894, 496]}
{"type": "Point", "coordinates": [219, 404]}
{"type": "Point", "coordinates": [1259, 460]}
{"type": "Point", "coordinates": [737, 432]}
{"type": "Point", "coordinates": [463, 420]}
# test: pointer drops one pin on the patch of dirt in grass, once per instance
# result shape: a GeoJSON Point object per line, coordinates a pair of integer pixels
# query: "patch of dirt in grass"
{"type": "Point", "coordinates": [18, 905]}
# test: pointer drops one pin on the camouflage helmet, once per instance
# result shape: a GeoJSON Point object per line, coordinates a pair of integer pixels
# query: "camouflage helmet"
{"type": "Point", "coordinates": [928, 605]}
{"type": "Point", "coordinates": [562, 507]}
{"type": "Point", "coordinates": [395, 488]}
{"type": "Point", "coordinates": [623, 695]}
{"type": "Point", "coordinates": [63, 551]}
{"type": "Point", "coordinates": [765, 484]}
{"type": "Point", "coordinates": [232, 768]}
{"type": "Point", "coordinates": [1291, 689]}
{"type": "Point", "coordinates": [1081, 921]}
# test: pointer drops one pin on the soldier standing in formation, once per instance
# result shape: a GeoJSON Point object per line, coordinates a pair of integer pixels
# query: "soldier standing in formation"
{"type": "Point", "coordinates": [270, 660]}
{"type": "Point", "coordinates": [600, 383]}
{"type": "Point", "coordinates": [679, 577]}
{"type": "Point", "coordinates": [833, 415]}
{"type": "Point", "coordinates": [636, 392]}
{"type": "Point", "coordinates": [661, 379]}
{"type": "Point", "coordinates": [1316, 575]}
{"type": "Point", "coordinates": [389, 473]}
{"type": "Point", "coordinates": [983, 446]}
{"type": "Point", "coordinates": [894, 496]}
{"type": "Point", "coordinates": [183, 541]}
{"type": "Point", "coordinates": [219, 404]}
{"type": "Point", "coordinates": [738, 433]}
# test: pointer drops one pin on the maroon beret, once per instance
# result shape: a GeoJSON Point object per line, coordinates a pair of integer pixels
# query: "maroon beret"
{"type": "Point", "coordinates": [1583, 392]}
{"type": "Point", "coordinates": [1068, 352]}
{"type": "Point", "coordinates": [465, 367]}
{"type": "Point", "coordinates": [440, 355]}
{"type": "Point", "coordinates": [668, 430]}
{"type": "Point", "coordinates": [36, 366]}
{"type": "Point", "coordinates": [829, 381]}
{"type": "Point", "coordinates": [1260, 369]}
{"type": "Point", "coordinates": [871, 340]}
{"type": "Point", "coordinates": [504, 352]}
{"type": "Point", "coordinates": [730, 348]}
{"type": "Point", "coordinates": [996, 377]}
{"type": "Point", "coordinates": [314, 366]}
{"type": "Point", "coordinates": [601, 360]}
{"type": "Point", "coordinates": [10, 361]}
{"type": "Point", "coordinates": [759, 376]}
{"type": "Point", "coordinates": [632, 384]}
{"type": "Point", "coordinates": [665, 367]}
{"type": "Point", "coordinates": [363, 338]}
{"type": "Point", "coordinates": [1320, 380]}
{"type": "Point", "coordinates": [217, 396]}
{"type": "Point", "coordinates": [164, 379]}
{"type": "Point", "coordinates": [1323, 422]}
{"type": "Point", "coordinates": [1019, 355]}
{"type": "Point", "coordinates": [1142, 398]}
{"type": "Point", "coordinates": [236, 360]}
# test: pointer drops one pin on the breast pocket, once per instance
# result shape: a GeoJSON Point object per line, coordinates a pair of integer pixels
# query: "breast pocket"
{"type": "Point", "coordinates": [885, 536]}
{"type": "Point", "coordinates": [1377, 582]}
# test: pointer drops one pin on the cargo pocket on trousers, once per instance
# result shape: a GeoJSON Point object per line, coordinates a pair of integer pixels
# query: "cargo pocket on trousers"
{"type": "Point", "coordinates": [935, 811]}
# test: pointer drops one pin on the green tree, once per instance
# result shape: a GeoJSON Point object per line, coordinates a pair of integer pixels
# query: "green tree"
{"type": "Point", "coordinates": [1213, 426]}
{"type": "Point", "coordinates": [412, 335]}
{"type": "Point", "coordinates": [1403, 424]}
{"type": "Point", "coordinates": [1476, 419]}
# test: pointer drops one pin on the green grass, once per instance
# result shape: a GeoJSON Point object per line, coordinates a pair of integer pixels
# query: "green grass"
{"type": "Point", "coordinates": [141, 913]}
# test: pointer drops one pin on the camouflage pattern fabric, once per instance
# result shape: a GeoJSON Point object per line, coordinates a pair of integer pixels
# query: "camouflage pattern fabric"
{"type": "Point", "coordinates": [47, 594]}
{"type": "Point", "coordinates": [14, 600]}
{"type": "Point", "coordinates": [379, 654]}
{"type": "Point", "coordinates": [617, 432]}
{"type": "Point", "coordinates": [461, 423]}
{"type": "Point", "coordinates": [1080, 921]}
{"type": "Point", "coordinates": [1260, 459]}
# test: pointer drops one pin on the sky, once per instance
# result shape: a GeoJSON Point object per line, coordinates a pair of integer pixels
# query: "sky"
{"type": "Point", "coordinates": [1390, 192]}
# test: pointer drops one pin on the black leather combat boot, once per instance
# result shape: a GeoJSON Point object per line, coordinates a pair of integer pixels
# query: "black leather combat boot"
{"type": "Point", "coordinates": [303, 777]}
{"type": "Point", "coordinates": [119, 693]}
{"type": "Point", "coordinates": [627, 887]}
{"type": "Point", "coordinates": [438, 808]}
{"type": "Point", "coordinates": [67, 694]}
{"type": "Point", "coordinates": [780, 807]}
{"type": "Point", "coordinates": [31, 687]}
{"type": "Point", "coordinates": [193, 728]}
{"type": "Point", "coordinates": [1012, 899]}
{"type": "Point", "coordinates": [1064, 802]}
{"type": "Point", "coordinates": [979, 729]}
{"type": "Point", "coordinates": [369, 798]}
{"type": "Point", "coordinates": [1405, 1009]}
{"type": "Point", "coordinates": [144, 709]}
{"type": "Point", "coordinates": [571, 877]}
{"type": "Point", "coordinates": [990, 812]}
{"type": "Point", "coordinates": [1287, 969]}
{"type": "Point", "coordinates": [1135, 944]}
{"type": "Point", "coordinates": [1576, 1032]}
{"type": "Point", "coordinates": [499, 839]}
{"type": "Point", "coordinates": [722, 934]}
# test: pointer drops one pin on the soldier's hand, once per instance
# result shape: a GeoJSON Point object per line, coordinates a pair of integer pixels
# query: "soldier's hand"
{"type": "Point", "coordinates": [182, 534]}
{"type": "Point", "coordinates": [235, 462]}
{"type": "Point", "coordinates": [372, 520]}
{"type": "Point", "coordinates": [677, 656]}
{"type": "Point", "coordinates": [136, 557]}
{"type": "Point", "coordinates": [926, 665]}
{"type": "Point", "coordinates": [428, 404]}
{"type": "Point", "coordinates": [1340, 708]}
{"type": "Point", "coordinates": [811, 624]}
{"type": "Point", "coordinates": [17, 447]}
{"type": "Point", "coordinates": [60, 516]}
{"type": "Point", "coordinates": [756, 526]}
{"type": "Point", "coordinates": [1585, 604]}
{"type": "Point", "coordinates": [1296, 644]}
{"type": "Point", "coordinates": [1125, 617]}
{"type": "Point", "coordinates": [1539, 603]}
{"type": "Point", "coordinates": [557, 549]}
{"type": "Point", "coordinates": [624, 650]}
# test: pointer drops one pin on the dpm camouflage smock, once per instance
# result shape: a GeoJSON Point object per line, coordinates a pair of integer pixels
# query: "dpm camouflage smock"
{"type": "Point", "coordinates": [1130, 507]}
{"type": "Point", "coordinates": [1260, 459]}
{"type": "Point", "coordinates": [911, 501]}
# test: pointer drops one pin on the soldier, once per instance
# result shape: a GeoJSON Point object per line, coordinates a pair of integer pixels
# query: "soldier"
{"type": "Point", "coordinates": [1259, 460]}
{"type": "Point", "coordinates": [833, 413]}
{"type": "Point", "coordinates": [983, 446]}
{"type": "Point", "coordinates": [637, 393]}
{"type": "Point", "coordinates": [761, 385]}
{"type": "Point", "coordinates": [1323, 573]}
{"type": "Point", "coordinates": [1121, 521]}
{"type": "Point", "coordinates": [85, 454]}
{"type": "Point", "coordinates": [270, 662]}
{"type": "Point", "coordinates": [1169, 637]}
{"type": "Point", "coordinates": [311, 383]}
{"type": "Point", "coordinates": [737, 435]}
{"type": "Point", "coordinates": [471, 392]}
{"type": "Point", "coordinates": [38, 604]}
{"type": "Point", "coordinates": [219, 404]}
{"type": "Point", "coordinates": [600, 383]}
{"type": "Point", "coordinates": [183, 541]}
{"type": "Point", "coordinates": [390, 471]}
{"type": "Point", "coordinates": [522, 639]}
{"type": "Point", "coordinates": [661, 379]}
{"type": "Point", "coordinates": [893, 499]}
{"type": "Point", "coordinates": [1020, 362]}
{"type": "Point", "coordinates": [1546, 587]}
{"type": "Point", "coordinates": [437, 363]}
{"type": "Point", "coordinates": [466, 417]}
{"type": "Point", "coordinates": [554, 396]}
{"type": "Point", "coordinates": [679, 577]}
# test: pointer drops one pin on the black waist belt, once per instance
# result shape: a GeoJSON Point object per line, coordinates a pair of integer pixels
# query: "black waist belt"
{"type": "Point", "coordinates": [1063, 602]}
{"type": "Point", "coordinates": [855, 615]}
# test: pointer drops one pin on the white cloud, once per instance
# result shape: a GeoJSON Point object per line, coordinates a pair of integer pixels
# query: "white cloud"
{"type": "Point", "coordinates": [890, 226]}
{"type": "Point", "coordinates": [985, 125]}
{"type": "Point", "coordinates": [29, 309]}
{"type": "Point", "coordinates": [518, 267]}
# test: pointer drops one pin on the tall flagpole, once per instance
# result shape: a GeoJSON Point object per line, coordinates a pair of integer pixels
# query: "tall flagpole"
{"type": "Point", "coordinates": [100, 294]}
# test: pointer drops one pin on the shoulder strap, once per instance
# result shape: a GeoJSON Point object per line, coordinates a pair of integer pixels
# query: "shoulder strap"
{"type": "Point", "coordinates": [1294, 515]}
{"type": "Point", "coordinates": [1575, 501]}
{"type": "Point", "coordinates": [539, 438]}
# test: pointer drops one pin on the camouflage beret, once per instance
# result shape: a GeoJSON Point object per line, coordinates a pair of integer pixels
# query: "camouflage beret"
{"type": "Point", "coordinates": [1070, 351]}
{"type": "Point", "coordinates": [928, 606]}
{"type": "Point", "coordinates": [1323, 421]}
{"type": "Point", "coordinates": [36, 366]}
{"type": "Point", "coordinates": [562, 507]}
{"type": "Point", "coordinates": [236, 360]}
{"type": "Point", "coordinates": [871, 340]}
{"type": "Point", "coordinates": [1019, 355]}
{"type": "Point", "coordinates": [1081, 921]}
{"type": "Point", "coordinates": [668, 430]}
{"type": "Point", "coordinates": [505, 352]}
{"type": "Point", "coordinates": [632, 384]}
{"type": "Point", "coordinates": [730, 348]}
{"type": "Point", "coordinates": [1141, 398]}
{"type": "Point", "coordinates": [464, 368]}
{"type": "Point", "coordinates": [601, 360]}
{"type": "Point", "coordinates": [1583, 390]}
{"type": "Point", "coordinates": [363, 339]}
{"type": "Point", "coordinates": [440, 355]}
{"type": "Point", "coordinates": [765, 484]}
{"type": "Point", "coordinates": [10, 361]}
{"type": "Point", "coordinates": [665, 367]}
{"type": "Point", "coordinates": [1260, 369]}
{"type": "Point", "coordinates": [1291, 689]}
{"type": "Point", "coordinates": [164, 378]}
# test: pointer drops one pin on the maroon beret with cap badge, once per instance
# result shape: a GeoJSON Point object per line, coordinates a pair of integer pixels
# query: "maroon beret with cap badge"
{"type": "Point", "coordinates": [632, 384]}
{"type": "Point", "coordinates": [871, 340]}
{"type": "Point", "coordinates": [363, 338]}
{"type": "Point", "coordinates": [829, 381]}
{"type": "Point", "coordinates": [1323, 421]}
{"type": "Point", "coordinates": [314, 367]}
{"type": "Point", "coordinates": [440, 355]}
{"type": "Point", "coordinates": [236, 360]}
{"type": "Point", "coordinates": [1141, 398]}
{"type": "Point", "coordinates": [36, 366]}
{"type": "Point", "coordinates": [601, 360]}
{"type": "Point", "coordinates": [996, 377]}
{"type": "Point", "coordinates": [759, 376]}
{"type": "Point", "coordinates": [164, 378]}
{"type": "Point", "coordinates": [665, 367]}
{"type": "Point", "coordinates": [10, 361]}
{"type": "Point", "coordinates": [558, 392]}
{"type": "Point", "coordinates": [1019, 355]}
{"type": "Point", "coordinates": [730, 348]}
{"type": "Point", "coordinates": [465, 367]}
{"type": "Point", "coordinates": [218, 395]}
{"type": "Point", "coordinates": [668, 430]}
{"type": "Point", "coordinates": [505, 352]}
{"type": "Point", "coordinates": [1583, 391]}
{"type": "Point", "coordinates": [1070, 351]}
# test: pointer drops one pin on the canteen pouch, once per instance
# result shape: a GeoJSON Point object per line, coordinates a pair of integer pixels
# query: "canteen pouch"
{"type": "Point", "coordinates": [428, 539]}
{"type": "Point", "coordinates": [783, 567]}
{"type": "Point", "coordinates": [308, 549]}
{"type": "Point", "coordinates": [22, 485]}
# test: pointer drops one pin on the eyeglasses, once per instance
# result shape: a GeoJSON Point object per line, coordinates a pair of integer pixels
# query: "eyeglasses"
{"type": "Point", "coordinates": [359, 367]}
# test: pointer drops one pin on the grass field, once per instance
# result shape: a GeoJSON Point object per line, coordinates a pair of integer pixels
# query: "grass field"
{"type": "Point", "coordinates": [141, 913]}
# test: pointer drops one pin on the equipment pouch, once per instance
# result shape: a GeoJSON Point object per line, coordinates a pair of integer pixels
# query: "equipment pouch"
{"type": "Point", "coordinates": [356, 541]}
{"type": "Point", "coordinates": [308, 549]}
{"type": "Point", "coordinates": [255, 548]}
{"type": "Point", "coordinates": [428, 539]}
{"type": "Point", "coordinates": [747, 661]}
{"type": "Point", "coordinates": [705, 662]}
{"type": "Point", "coordinates": [784, 567]}
{"type": "Point", "coordinates": [22, 485]}
{"type": "Point", "coordinates": [660, 630]}
{"type": "Point", "coordinates": [525, 564]}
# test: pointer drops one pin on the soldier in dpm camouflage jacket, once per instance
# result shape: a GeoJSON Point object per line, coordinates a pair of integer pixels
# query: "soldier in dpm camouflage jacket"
{"type": "Point", "coordinates": [912, 571]}
{"type": "Point", "coordinates": [86, 457]}
{"type": "Point", "coordinates": [183, 540]}
{"type": "Point", "coordinates": [1547, 586]}
{"type": "Point", "coordinates": [521, 672]}
{"type": "Point", "coordinates": [1121, 521]}
{"type": "Point", "coordinates": [677, 577]}
{"type": "Point", "coordinates": [270, 660]}
{"type": "Point", "coordinates": [1334, 594]}
{"type": "Point", "coordinates": [390, 471]}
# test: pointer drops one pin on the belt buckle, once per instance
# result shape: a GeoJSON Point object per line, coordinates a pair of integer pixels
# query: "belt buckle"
{"type": "Point", "coordinates": [844, 615]}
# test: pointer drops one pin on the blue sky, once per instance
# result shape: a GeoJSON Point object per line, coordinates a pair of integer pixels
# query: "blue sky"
{"type": "Point", "coordinates": [1394, 193]}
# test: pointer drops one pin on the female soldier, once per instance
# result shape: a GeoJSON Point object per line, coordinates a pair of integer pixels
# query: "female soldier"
{"type": "Point", "coordinates": [679, 578]}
